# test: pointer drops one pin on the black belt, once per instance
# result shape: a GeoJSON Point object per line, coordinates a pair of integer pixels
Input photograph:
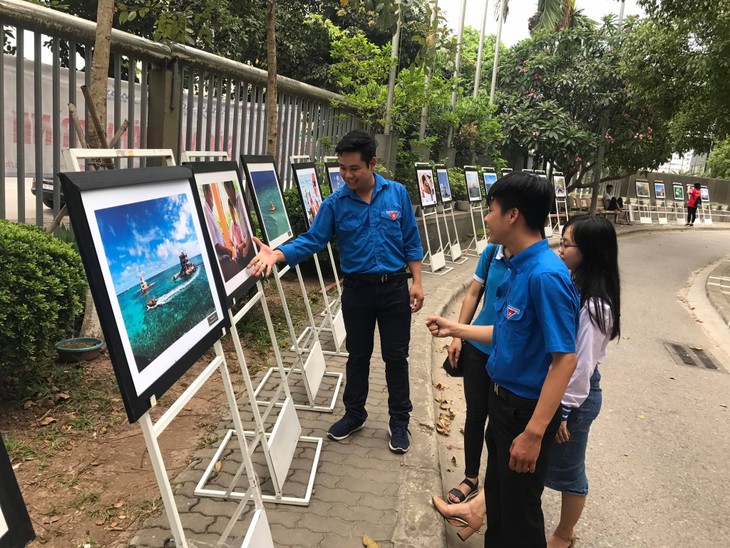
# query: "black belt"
{"type": "Point", "coordinates": [380, 278]}
{"type": "Point", "coordinates": [512, 399]}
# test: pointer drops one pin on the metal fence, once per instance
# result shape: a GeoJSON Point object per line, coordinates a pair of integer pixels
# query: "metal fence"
{"type": "Point", "coordinates": [172, 96]}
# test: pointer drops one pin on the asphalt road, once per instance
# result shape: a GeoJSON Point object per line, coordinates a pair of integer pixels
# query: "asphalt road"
{"type": "Point", "coordinates": [658, 455]}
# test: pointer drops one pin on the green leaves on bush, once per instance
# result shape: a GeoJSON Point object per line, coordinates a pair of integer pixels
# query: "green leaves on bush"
{"type": "Point", "coordinates": [42, 290]}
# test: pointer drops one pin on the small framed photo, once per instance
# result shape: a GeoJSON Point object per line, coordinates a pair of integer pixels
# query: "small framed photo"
{"type": "Point", "coordinates": [228, 221]}
{"type": "Point", "coordinates": [444, 185]}
{"type": "Point", "coordinates": [490, 177]}
{"type": "Point", "coordinates": [151, 270]}
{"type": "Point", "coordinates": [426, 186]}
{"type": "Point", "coordinates": [504, 171]}
{"type": "Point", "coordinates": [268, 199]}
{"type": "Point", "coordinates": [16, 529]}
{"type": "Point", "coordinates": [310, 193]}
{"type": "Point", "coordinates": [559, 185]}
{"type": "Point", "coordinates": [705, 195]}
{"type": "Point", "coordinates": [473, 189]}
{"type": "Point", "coordinates": [659, 191]}
{"type": "Point", "coordinates": [333, 175]}
{"type": "Point", "coordinates": [642, 189]}
{"type": "Point", "coordinates": [678, 192]}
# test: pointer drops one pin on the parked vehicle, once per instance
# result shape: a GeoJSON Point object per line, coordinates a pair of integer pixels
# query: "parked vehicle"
{"type": "Point", "coordinates": [47, 192]}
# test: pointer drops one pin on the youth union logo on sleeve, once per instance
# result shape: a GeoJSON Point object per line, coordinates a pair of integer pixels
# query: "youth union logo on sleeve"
{"type": "Point", "coordinates": [393, 214]}
{"type": "Point", "coordinates": [511, 311]}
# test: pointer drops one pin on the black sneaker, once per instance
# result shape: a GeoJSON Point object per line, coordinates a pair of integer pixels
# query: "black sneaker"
{"type": "Point", "coordinates": [399, 442]}
{"type": "Point", "coordinates": [343, 428]}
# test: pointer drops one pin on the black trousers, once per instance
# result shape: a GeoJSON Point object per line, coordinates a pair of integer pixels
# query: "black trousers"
{"type": "Point", "coordinates": [514, 512]}
{"type": "Point", "coordinates": [691, 214]}
{"type": "Point", "coordinates": [364, 304]}
{"type": "Point", "coordinates": [476, 393]}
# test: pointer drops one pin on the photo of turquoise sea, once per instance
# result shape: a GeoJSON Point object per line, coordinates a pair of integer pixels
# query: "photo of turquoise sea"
{"type": "Point", "coordinates": [156, 266]}
{"type": "Point", "coordinates": [271, 204]}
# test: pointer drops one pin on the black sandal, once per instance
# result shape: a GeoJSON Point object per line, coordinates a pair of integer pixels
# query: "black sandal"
{"type": "Point", "coordinates": [460, 494]}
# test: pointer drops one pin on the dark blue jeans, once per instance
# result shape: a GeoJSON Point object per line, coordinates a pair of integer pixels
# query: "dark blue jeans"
{"type": "Point", "coordinates": [364, 304]}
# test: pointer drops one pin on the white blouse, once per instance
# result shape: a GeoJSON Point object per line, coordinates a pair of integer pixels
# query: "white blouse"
{"type": "Point", "coordinates": [591, 350]}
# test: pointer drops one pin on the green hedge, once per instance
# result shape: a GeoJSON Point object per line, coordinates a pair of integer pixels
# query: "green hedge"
{"type": "Point", "coordinates": [42, 291]}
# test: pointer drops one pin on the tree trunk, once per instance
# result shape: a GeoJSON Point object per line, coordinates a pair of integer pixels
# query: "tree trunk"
{"type": "Point", "coordinates": [99, 74]}
{"type": "Point", "coordinates": [598, 166]}
{"type": "Point", "coordinates": [100, 64]}
{"type": "Point", "coordinates": [271, 93]}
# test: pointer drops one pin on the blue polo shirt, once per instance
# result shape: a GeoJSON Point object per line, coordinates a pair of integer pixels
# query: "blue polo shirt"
{"type": "Point", "coordinates": [537, 309]}
{"type": "Point", "coordinates": [493, 274]}
{"type": "Point", "coordinates": [375, 238]}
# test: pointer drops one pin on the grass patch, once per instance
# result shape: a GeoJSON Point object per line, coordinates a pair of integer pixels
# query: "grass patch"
{"type": "Point", "coordinates": [19, 450]}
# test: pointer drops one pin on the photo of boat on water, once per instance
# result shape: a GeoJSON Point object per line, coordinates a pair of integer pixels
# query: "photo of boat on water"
{"type": "Point", "coordinates": [155, 260]}
{"type": "Point", "coordinates": [270, 203]}
{"type": "Point", "coordinates": [309, 193]}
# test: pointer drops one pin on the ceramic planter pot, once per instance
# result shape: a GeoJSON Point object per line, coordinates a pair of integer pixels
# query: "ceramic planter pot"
{"type": "Point", "coordinates": [79, 349]}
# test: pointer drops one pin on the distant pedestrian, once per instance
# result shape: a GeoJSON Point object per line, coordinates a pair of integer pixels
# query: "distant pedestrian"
{"type": "Point", "coordinates": [694, 201]}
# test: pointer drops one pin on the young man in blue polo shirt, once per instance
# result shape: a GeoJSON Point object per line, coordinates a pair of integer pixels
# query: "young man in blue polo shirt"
{"type": "Point", "coordinates": [377, 237]}
{"type": "Point", "coordinates": [533, 357]}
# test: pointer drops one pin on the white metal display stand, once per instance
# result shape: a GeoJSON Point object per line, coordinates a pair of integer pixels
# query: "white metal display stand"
{"type": "Point", "coordinates": [706, 210]}
{"type": "Point", "coordinates": [644, 211]}
{"type": "Point", "coordinates": [661, 211]}
{"type": "Point", "coordinates": [313, 368]}
{"type": "Point", "coordinates": [435, 260]}
{"type": "Point", "coordinates": [480, 244]}
{"type": "Point", "coordinates": [278, 446]}
{"type": "Point", "coordinates": [72, 155]}
{"type": "Point", "coordinates": [196, 155]}
{"type": "Point", "coordinates": [680, 215]}
{"type": "Point", "coordinates": [453, 246]}
{"type": "Point", "coordinates": [259, 528]}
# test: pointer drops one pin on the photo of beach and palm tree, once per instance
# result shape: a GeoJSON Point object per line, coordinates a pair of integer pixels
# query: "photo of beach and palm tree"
{"type": "Point", "coordinates": [155, 259]}
{"type": "Point", "coordinates": [267, 195]}
{"type": "Point", "coordinates": [490, 177]}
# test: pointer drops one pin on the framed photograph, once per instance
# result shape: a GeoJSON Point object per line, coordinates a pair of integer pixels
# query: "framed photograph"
{"type": "Point", "coordinates": [504, 171]}
{"type": "Point", "coordinates": [16, 528]}
{"type": "Point", "coordinates": [444, 185]}
{"type": "Point", "coordinates": [642, 189]}
{"type": "Point", "coordinates": [659, 191]}
{"type": "Point", "coordinates": [678, 192]}
{"type": "Point", "coordinates": [333, 175]}
{"type": "Point", "coordinates": [705, 195]}
{"type": "Point", "coordinates": [528, 171]}
{"type": "Point", "coordinates": [473, 189]}
{"type": "Point", "coordinates": [310, 193]}
{"type": "Point", "coordinates": [426, 186]}
{"type": "Point", "coordinates": [490, 177]}
{"type": "Point", "coordinates": [559, 184]}
{"type": "Point", "coordinates": [151, 269]}
{"type": "Point", "coordinates": [268, 199]}
{"type": "Point", "coordinates": [228, 221]}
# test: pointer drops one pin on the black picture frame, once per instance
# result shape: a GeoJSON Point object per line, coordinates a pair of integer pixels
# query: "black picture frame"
{"type": "Point", "coordinates": [426, 186]}
{"type": "Point", "coordinates": [504, 171]}
{"type": "Point", "coordinates": [16, 529]}
{"type": "Point", "coordinates": [489, 177]}
{"type": "Point", "coordinates": [309, 189]}
{"type": "Point", "coordinates": [559, 185]}
{"type": "Point", "coordinates": [678, 192]}
{"type": "Point", "coordinates": [705, 194]}
{"type": "Point", "coordinates": [263, 183]}
{"type": "Point", "coordinates": [642, 190]}
{"type": "Point", "coordinates": [473, 188]}
{"type": "Point", "coordinates": [444, 184]}
{"type": "Point", "coordinates": [660, 191]}
{"type": "Point", "coordinates": [220, 177]}
{"type": "Point", "coordinates": [334, 179]}
{"type": "Point", "coordinates": [147, 217]}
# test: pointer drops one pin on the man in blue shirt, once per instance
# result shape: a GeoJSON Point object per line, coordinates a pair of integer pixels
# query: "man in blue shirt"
{"type": "Point", "coordinates": [532, 360]}
{"type": "Point", "coordinates": [377, 236]}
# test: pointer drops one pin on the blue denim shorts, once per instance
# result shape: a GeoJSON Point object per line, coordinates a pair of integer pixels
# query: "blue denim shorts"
{"type": "Point", "coordinates": [567, 465]}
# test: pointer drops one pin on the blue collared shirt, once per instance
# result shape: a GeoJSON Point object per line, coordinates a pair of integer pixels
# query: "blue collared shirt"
{"type": "Point", "coordinates": [493, 273]}
{"type": "Point", "coordinates": [538, 309]}
{"type": "Point", "coordinates": [375, 238]}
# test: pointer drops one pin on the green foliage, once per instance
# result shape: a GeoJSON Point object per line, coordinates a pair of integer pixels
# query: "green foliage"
{"type": "Point", "coordinates": [42, 290]}
{"type": "Point", "coordinates": [719, 161]}
{"type": "Point", "coordinates": [679, 61]}
{"type": "Point", "coordinates": [457, 182]}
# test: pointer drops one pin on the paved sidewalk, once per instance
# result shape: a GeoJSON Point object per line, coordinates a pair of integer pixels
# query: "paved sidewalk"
{"type": "Point", "coordinates": [718, 289]}
{"type": "Point", "coordinates": [361, 487]}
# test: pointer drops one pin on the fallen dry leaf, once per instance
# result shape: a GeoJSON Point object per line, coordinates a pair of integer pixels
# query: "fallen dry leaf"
{"type": "Point", "coordinates": [28, 404]}
{"type": "Point", "coordinates": [453, 460]}
{"type": "Point", "coordinates": [369, 542]}
{"type": "Point", "coordinates": [46, 421]}
{"type": "Point", "coordinates": [217, 467]}
{"type": "Point", "coordinates": [119, 504]}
